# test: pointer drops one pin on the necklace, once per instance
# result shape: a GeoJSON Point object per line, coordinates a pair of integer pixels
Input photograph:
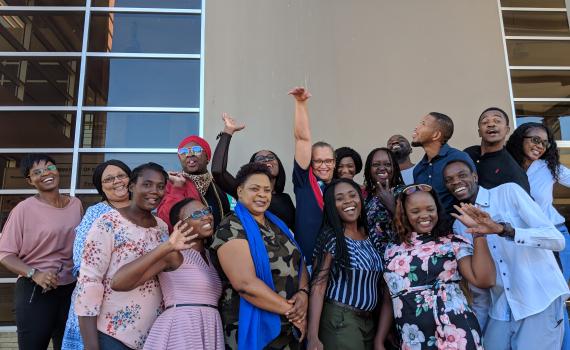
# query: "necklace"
{"type": "Point", "coordinates": [58, 203]}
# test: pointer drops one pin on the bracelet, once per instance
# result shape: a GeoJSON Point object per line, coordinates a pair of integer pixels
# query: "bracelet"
{"type": "Point", "coordinates": [478, 235]}
{"type": "Point", "coordinates": [304, 290]}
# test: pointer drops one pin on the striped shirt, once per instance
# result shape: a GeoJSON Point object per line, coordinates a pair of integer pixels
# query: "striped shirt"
{"type": "Point", "coordinates": [356, 286]}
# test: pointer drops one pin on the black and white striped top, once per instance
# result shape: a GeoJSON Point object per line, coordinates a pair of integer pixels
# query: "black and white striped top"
{"type": "Point", "coordinates": [358, 285]}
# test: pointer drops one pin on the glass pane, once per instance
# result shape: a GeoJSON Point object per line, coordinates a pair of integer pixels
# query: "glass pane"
{"type": "Point", "coordinates": [148, 130]}
{"type": "Point", "coordinates": [4, 273]}
{"type": "Point", "coordinates": [181, 4]}
{"type": "Point", "coordinates": [555, 114]}
{"type": "Point", "coordinates": [44, 2]}
{"type": "Point", "coordinates": [149, 33]}
{"type": "Point", "coordinates": [12, 178]}
{"type": "Point", "coordinates": [39, 81]}
{"type": "Point", "coordinates": [535, 23]}
{"type": "Point", "coordinates": [7, 316]}
{"type": "Point", "coordinates": [40, 31]}
{"type": "Point", "coordinates": [533, 3]}
{"type": "Point", "coordinates": [142, 82]}
{"type": "Point", "coordinates": [88, 162]}
{"type": "Point", "coordinates": [540, 83]}
{"type": "Point", "coordinates": [7, 203]}
{"type": "Point", "coordinates": [50, 129]}
{"type": "Point", "coordinates": [538, 53]}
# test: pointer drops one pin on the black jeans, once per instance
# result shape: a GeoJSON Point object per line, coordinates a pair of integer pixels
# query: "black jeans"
{"type": "Point", "coordinates": [41, 317]}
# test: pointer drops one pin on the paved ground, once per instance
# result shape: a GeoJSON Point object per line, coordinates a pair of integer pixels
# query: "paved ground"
{"type": "Point", "coordinates": [9, 341]}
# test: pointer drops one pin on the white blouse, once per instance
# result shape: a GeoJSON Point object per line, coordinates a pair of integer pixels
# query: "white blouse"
{"type": "Point", "coordinates": [542, 186]}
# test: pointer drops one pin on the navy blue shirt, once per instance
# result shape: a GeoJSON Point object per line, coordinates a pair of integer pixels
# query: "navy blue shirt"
{"type": "Point", "coordinates": [431, 173]}
{"type": "Point", "coordinates": [308, 215]}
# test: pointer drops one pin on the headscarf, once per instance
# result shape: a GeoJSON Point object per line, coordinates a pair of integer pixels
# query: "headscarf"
{"type": "Point", "coordinates": [199, 141]}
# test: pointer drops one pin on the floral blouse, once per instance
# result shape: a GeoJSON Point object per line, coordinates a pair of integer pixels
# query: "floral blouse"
{"type": "Point", "coordinates": [112, 242]}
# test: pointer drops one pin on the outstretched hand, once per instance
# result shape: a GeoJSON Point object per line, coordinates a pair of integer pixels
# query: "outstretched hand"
{"type": "Point", "coordinates": [476, 220]}
{"type": "Point", "coordinates": [230, 124]}
{"type": "Point", "coordinates": [182, 237]}
{"type": "Point", "coordinates": [300, 93]}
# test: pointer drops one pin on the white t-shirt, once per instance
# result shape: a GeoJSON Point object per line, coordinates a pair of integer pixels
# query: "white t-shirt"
{"type": "Point", "coordinates": [408, 175]}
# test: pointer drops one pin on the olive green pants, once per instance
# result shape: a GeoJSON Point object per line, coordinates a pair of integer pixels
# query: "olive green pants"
{"type": "Point", "coordinates": [342, 329]}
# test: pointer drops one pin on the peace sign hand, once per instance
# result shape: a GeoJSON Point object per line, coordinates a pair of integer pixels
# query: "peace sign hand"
{"type": "Point", "coordinates": [230, 124]}
{"type": "Point", "coordinates": [476, 220]}
{"type": "Point", "coordinates": [386, 195]}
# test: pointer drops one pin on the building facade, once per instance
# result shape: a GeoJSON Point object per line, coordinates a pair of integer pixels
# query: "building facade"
{"type": "Point", "coordinates": [91, 80]}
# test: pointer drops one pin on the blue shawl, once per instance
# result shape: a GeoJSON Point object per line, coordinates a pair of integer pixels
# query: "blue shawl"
{"type": "Point", "coordinates": [258, 327]}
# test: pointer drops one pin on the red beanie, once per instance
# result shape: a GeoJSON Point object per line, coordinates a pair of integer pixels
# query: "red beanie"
{"type": "Point", "coordinates": [199, 141]}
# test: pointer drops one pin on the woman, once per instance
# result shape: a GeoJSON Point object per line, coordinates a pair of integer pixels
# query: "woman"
{"type": "Point", "coordinates": [383, 182]}
{"type": "Point", "coordinates": [121, 320]}
{"type": "Point", "coordinates": [281, 203]}
{"type": "Point", "coordinates": [111, 179]}
{"type": "Point", "coordinates": [191, 319]}
{"type": "Point", "coordinates": [423, 271]}
{"type": "Point", "coordinates": [348, 163]}
{"type": "Point", "coordinates": [265, 297]}
{"type": "Point", "coordinates": [348, 269]}
{"type": "Point", "coordinates": [36, 244]}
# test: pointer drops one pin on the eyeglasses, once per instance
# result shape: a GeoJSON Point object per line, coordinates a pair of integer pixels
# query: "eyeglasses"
{"type": "Point", "coordinates": [192, 151]}
{"type": "Point", "coordinates": [416, 188]}
{"type": "Point", "coordinates": [111, 179]}
{"type": "Point", "coordinates": [198, 214]}
{"type": "Point", "coordinates": [318, 162]}
{"type": "Point", "coordinates": [41, 171]}
{"type": "Point", "coordinates": [264, 159]}
{"type": "Point", "coordinates": [538, 141]}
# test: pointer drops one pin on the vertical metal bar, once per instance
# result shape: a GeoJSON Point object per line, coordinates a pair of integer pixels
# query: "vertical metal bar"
{"type": "Point", "coordinates": [202, 56]}
{"type": "Point", "coordinates": [507, 64]}
{"type": "Point", "coordinates": [80, 92]}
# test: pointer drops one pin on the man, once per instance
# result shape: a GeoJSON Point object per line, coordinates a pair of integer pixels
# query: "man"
{"type": "Point", "coordinates": [312, 170]}
{"type": "Point", "coordinates": [194, 181]}
{"type": "Point", "coordinates": [432, 134]}
{"type": "Point", "coordinates": [495, 166]}
{"type": "Point", "coordinates": [525, 309]}
{"type": "Point", "coordinates": [400, 147]}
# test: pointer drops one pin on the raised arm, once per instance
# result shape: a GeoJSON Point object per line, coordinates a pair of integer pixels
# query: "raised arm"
{"type": "Point", "coordinates": [302, 129]}
{"type": "Point", "coordinates": [165, 257]}
{"type": "Point", "coordinates": [220, 159]}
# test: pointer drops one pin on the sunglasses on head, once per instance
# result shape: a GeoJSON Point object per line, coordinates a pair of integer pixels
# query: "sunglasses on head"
{"type": "Point", "coordinates": [264, 159]}
{"type": "Point", "coordinates": [538, 141]}
{"type": "Point", "coordinates": [198, 214]}
{"type": "Point", "coordinates": [190, 151]}
{"type": "Point", "coordinates": [416, 188]}
{"type": "Point", "coordinates": [41, 171]}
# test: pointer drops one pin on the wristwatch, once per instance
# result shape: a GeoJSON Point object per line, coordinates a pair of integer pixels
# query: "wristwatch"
{"type": "Point", "coordinates": [508, 231]}
{"type": "Point", "coordinates": [31, 273]}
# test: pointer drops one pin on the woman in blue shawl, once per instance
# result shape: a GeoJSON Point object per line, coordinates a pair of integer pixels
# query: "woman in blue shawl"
{"type": "Point", "coordinates": [265, 298]}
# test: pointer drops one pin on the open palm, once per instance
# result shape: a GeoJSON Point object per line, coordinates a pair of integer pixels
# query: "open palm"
{"type": "Point", "coordinates": [476, 220]}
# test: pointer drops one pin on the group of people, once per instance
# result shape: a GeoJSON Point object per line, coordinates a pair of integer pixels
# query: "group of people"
{"type": "Point", "coordinates": [463, 250]}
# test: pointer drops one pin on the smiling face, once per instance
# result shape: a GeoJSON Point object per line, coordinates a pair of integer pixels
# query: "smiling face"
{"type": "Point", "coordinates": [493, 128]}
{"type": "Point", "coordinates": [148, 190]}
{"type": "Point", "coordinates": [461, 182]}
{"type": "Point", "coordinates": [268, 158]}
{"type": "Point", "coordinates": [399, 146]}
{"type": "Point", "coordinates": [421, 211]}
{"type": "Point", "coordinates": [322, 162]}
{"type": "Point", "coordinates": [531, 150]}
{"type": "Point", "coordinates": [425, 132]}
{"type": "Point", "coordinates": [346, 169]}
{"type": "Point", "coordinates": [347, 202]}
{"type": "Point", "coordinates": [204, 226]}
{"type": "Point", "coordinates": [115, 183]}
{"type": "Point", "coordinates": [255, 194]}
{"type": "Point", "coordinates": [42, 178]}
{"type": "Point", "coordinates": [381, 168]}
{"type": "Point", "coordinates": [193, 164]}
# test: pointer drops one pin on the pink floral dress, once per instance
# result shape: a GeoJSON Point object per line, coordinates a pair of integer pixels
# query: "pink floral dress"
{"type": "Point", "coordinates": [112, 242]}
{"type": "Point", "coordinates": [430, 309]}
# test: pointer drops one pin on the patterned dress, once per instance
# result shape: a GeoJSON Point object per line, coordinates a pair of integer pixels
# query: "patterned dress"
{"type": "Point", "coordinates": [284, 259]}
{"type": "Point", "coordinates": [112, 242]}
{"type": "Point", "coordinates": [72, 337]}
{"type": "Point", "coordinates": [430, 309]}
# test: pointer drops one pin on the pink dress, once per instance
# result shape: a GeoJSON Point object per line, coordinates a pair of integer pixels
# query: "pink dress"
{"type": "Point", "coordinates": [189, 327]}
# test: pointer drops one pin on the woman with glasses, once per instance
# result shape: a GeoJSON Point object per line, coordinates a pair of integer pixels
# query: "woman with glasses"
{"type": "Point", "coordinates": [122, 320]}
{"type": "Point", "coordinates": [36, 244]}
{"type": "Point", "coordinates": [265, 281]}
{"type": "Point", "coordinates": [191, 288]}
{"type": "Point", "coordinates": [111, 179]}
{"type": "Point", "coordinates": [423, 271]}
{"type": "Point", "coordinates": [194, 181]}
{"type": "Point", "coordinates": [347, 275]}
{"type": "Point", "coordinates": [281, 203]}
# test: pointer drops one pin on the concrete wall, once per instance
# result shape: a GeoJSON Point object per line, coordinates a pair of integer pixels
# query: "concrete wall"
{"type": "Point", "coordinates": [374, 69]}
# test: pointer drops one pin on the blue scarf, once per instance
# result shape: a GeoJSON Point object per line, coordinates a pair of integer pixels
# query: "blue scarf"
{"type": "Point", "coordinates": [258, 327]}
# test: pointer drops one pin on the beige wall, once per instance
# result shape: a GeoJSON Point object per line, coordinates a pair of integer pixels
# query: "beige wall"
{"type": "Point", "coordinates": [373, 67]}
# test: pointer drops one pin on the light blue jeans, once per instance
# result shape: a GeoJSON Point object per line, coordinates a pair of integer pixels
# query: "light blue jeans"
{"type": "Point", "coordinates": [565, 261]}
